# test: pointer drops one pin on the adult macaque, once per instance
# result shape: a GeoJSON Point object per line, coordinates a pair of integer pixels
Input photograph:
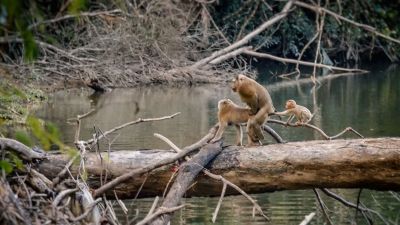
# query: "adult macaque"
{"type": "Point", "coordinates": [260, 103]}
{"type": "Point", "coordinates": [302, 114]}
{"type": "Point", "coordinates": [231, 114]}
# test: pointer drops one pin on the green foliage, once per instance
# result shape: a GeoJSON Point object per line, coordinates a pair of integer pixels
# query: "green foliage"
{"type": "Point", "coordinates": [24, 138]}
{"type": "Point", "coordinates": [16, 16]}
{"type": "Point", "coordinates": [6, 166]}
{"type": "Point", "coordinates": [46, 133]}
{"type": "Point", "coordinates": [17, 161]}
{"type": "Point", "coordinates": [76, 6]}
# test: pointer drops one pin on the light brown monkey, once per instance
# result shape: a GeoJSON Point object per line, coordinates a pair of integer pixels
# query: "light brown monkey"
{"type": "Point", "coordinates": [302, 114]}
{"type": "Point", "coordinates": [260, 102]}
{"type": "Point", "coordinates": [231, 114]}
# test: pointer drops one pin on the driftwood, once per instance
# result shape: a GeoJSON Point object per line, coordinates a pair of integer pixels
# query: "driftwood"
{"type": "Point", "coordinates": [24, 151]}
{"type": "Point", "coordinates": [186, 177]}
{"type": "Point", "coordinates": [355, 163]}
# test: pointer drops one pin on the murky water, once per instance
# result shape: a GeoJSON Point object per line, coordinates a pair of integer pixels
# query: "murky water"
{"type": "Point", "coordinates": [369, 103]}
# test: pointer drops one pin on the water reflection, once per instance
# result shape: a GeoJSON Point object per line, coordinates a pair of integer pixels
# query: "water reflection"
{"type": "Point", "coordinates": [368, 103]}
{"type": "Point", "coordinates": [287, 207]}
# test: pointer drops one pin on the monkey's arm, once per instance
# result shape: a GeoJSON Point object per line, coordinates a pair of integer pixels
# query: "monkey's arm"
{"type": "Point", "coordinates": [284, 113]}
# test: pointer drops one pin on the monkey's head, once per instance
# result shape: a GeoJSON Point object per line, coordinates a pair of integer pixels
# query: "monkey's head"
{"type": "Point", "coordinates": [224, 103]}
{"type": "Point", "coordinates": [238, 81]}
{"type": "Point", "coordinates": [290, 104]}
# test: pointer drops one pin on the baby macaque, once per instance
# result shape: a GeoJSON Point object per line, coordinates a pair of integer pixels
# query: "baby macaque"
{"type": "Point", "coordinates": [302, 114]}
{"type": "Point", "coordinates": [231, 114]}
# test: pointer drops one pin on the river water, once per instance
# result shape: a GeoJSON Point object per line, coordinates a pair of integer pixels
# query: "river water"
{"type": "Point", "coordinates": [368, 103]}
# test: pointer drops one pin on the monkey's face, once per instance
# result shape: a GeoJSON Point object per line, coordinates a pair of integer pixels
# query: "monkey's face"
{"type": "Point", "coordinates": [235, 85]}
{"type": "Point", "coordinates": [237, 82]}
{"type": "Point", "coordinates": [290, 104]}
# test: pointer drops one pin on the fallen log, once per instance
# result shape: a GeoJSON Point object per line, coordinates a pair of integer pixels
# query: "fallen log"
{"type": "Point", "coordinates": [372, 163]}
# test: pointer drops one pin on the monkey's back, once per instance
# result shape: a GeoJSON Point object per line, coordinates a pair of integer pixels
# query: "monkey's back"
{"type": "Point", "coordinates": [303, 114]}
{"type": "Point", "coordinates": [234, 114]}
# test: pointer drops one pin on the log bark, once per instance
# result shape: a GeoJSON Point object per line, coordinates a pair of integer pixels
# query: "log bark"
{"type": "Point", "coordinates": [185, 178]}
{"type": "Point", "coordinates": [353, 163]}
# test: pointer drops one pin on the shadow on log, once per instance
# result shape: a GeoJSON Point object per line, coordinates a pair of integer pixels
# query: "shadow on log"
{"type": "Point", "coordinates": [354, 163]}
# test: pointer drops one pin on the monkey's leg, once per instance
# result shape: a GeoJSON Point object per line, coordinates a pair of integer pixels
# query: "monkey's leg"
{"type": "Point", "coordinates": [254, 129]}
{"type": "Point", "coordinates": [289, 119]}
{"type": "Point", "coordinates": [239, 135]}
{"type": "Point", "coordinates": [252, 138]}
{"type": "Point", "coordinates": [221, 129]}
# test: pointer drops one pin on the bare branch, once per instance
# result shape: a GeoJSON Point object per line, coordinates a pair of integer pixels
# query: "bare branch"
{"type": "Point", "coordinates": [247, 38]}
{"type": "Point", "coordinates": [293, 61]}
{"type": "Point", "coordinates": [24, 151]}
{"type": "Point", "coordinates": [94, 141]}
{"type": "Point", "coordinates": [66, 17]}
{"type": "Point", "coordinates": [155, 165]}
{"type": "Point", "coordinates": [160, 211]}
{"type": "Point", "coordinates": [316, 128]}
{"type": "Point", "coordinates": [307, 218]}
{"type": "Point", "coordinates": [368, 28]}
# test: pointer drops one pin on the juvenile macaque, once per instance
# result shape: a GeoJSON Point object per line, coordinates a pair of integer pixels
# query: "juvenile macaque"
{"type": "Point", "coordinates": [302, 114]}
{"type": "Point", "coordinates": [231, 114]}
{"type": "Point", "coordinates": [260, 103]}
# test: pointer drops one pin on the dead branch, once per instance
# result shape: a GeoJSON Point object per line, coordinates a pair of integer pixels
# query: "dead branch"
{"type": "Point", "coordinates": [368, 28]}
{"type": "Point", "coordinates": [246, 38]}
{"type": "Point", "coordinates": [220, 178]}
{"type": "Point", "coordinates": [215, 213]}
{"type": "Point", "coordinates": [229, 55]}
{"type": "Point", "coordinates": [347, 129]}
{"type": "Point", "coordinates": [320, 30]}
{"type": "Point", "coordinates": [140, 120]}
{"type": "Point", "coordinates": [225, 181]}
{"type": "Point", "coordinates": [24, 151]}
{"type": "Point", "coordinates": [62, 195]}
{"type": "Point", "coordinates": [66, 17]}
{"type": "Point", "coordinates": [273, 134]}
{"type": "Point", "coordinates": [307, 218]}
{"type": "Point", "coordinates": [88, 210]}
{"type": "Point", "coordinates": [239, 35]}
{"type": "Point", "coordinates": [322, 206]}
{"type": "Point", "coordinates": [160, 211]}
{"type": "Point", "coordinates": [101, 190]}
{"type": "Point", "coordinates": [294, 61]}
{"type": "Point", "coordinates": [188, 171]}
{"type": "Point", "coordinates": [352, 205]}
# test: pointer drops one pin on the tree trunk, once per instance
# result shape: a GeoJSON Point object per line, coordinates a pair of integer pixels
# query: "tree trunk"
{"type": "Point", "coordinates": [354, 163]}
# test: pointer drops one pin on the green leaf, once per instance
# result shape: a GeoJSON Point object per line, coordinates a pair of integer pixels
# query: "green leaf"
{"type": "Point", "coordinates": [53, 131]}
{"type": "Point", "coordinates": [30, 48]}
{"type": "Point", "coordinates": [17, 161]}
{"type": "Point", "coordinates": [24, 138]}
{"type": "Point", "coordinates": [6, 166]}
{"type": "Point", "coordinates": [76, 6]}
{"type": "Point", "coordinates": [39, 132]}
